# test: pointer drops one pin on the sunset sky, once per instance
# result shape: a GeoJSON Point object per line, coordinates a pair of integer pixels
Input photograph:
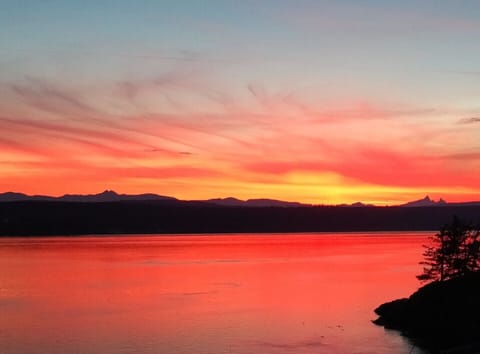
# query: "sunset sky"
{"type": "Point", "coordinates": [322, 102]}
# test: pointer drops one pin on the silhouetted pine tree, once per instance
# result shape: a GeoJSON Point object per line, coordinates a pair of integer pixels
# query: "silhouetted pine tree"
{"type": "Point", "coordinates": [455, 251]}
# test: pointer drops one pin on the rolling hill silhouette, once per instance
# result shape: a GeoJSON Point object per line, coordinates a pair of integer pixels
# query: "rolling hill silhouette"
{"type": "Point", "coordinates": [112, 213]}
{"type": "Point", "coordinates": [112, 196]}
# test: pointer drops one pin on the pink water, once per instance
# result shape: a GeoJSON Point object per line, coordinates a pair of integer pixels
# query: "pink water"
{"type": "Point", "coordinates": [293, 293]}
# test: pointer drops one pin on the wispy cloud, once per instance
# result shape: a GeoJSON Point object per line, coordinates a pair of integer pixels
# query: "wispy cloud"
{"type": "Point", "coordinates": [202, 132]}
{"type": "Point", "coordinates": [470, 120]}
{"type": "Point", "coordinates": [46, 96]}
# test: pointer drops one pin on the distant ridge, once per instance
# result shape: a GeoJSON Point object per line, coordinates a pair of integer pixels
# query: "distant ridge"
{"type": "Point", "coordinates": [255, 202]}
{"type": "Point", "coordinates": [63, 218]}
{"type": "Point", "coordinates": [105, 196]}
{"type": "Point", "coordinates": [355, 205]}
{"type": "Point", "coordinates": [425, 202]}
{"type": "Point", "coordinates": [18, 197]}
{"type": "Point", "coordinates": [112, 196]}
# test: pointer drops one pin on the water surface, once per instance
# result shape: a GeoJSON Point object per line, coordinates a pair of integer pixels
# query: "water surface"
{"type": "Point", "coordinates": [293, 293]}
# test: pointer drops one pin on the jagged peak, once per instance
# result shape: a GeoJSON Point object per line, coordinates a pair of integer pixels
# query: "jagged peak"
{"type": "Point", "coordinates": [427, 201]}
{"type": "Point", "coordinates": [108, 192]}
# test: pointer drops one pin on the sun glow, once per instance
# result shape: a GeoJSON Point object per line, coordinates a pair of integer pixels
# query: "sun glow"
{"type": "Point", "coordinates": [236, 115]}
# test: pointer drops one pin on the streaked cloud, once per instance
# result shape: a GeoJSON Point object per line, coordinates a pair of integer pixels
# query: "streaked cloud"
{"type": "Point", "coordinates": [311, 101]}
{"type": "Point", "coordinates": [470, 120]}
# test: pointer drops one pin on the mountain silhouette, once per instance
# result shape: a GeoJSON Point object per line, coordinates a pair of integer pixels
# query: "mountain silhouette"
{"type": "Point", "coordinates": [105, 196]}
{"type": "Point", "coordinates": [425, 202]}
{"type": "Point", "coordinates": [112, 196]}
{"type": "Point", "coordinates": [230, 201]}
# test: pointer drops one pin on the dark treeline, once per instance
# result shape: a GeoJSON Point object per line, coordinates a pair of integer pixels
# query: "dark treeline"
{"type": "Point", "coordinates": [34, 218]}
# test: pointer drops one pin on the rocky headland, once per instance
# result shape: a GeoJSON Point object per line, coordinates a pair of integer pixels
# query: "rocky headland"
{"type": "Point", "coordinates": [442, 317]}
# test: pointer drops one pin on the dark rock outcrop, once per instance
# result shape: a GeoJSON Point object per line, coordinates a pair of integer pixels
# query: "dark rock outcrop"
{"type": "Point", "coordinates": [439, 316]}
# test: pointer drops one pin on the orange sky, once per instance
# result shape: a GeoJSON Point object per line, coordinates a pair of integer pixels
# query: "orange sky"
{"type": "Point", "coordinates": [269, 101]}
{"type": "Point", "coordinates": [54, 143]}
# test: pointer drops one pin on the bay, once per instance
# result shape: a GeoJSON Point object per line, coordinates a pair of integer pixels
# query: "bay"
{"type": "Point", "coordinates": [245, 293]}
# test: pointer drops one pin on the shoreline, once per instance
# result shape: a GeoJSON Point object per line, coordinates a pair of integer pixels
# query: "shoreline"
{"type": "Point", "coordinates": [114, 218]}
{"type": "Point", "coordinates": [440, 316]}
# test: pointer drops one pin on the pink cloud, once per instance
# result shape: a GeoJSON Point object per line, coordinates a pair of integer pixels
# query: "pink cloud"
{"type": "Point", "coordinates": [258, 140]}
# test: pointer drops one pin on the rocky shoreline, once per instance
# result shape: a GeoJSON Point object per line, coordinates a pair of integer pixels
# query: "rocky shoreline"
{"type": "Point", "coordinates": [442, 317]}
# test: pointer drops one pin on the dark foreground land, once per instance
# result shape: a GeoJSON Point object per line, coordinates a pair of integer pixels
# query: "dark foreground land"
{"type": "Point", "coordinates": [37, 218]}
{"type": "Point", "coordinates": [443, 317]}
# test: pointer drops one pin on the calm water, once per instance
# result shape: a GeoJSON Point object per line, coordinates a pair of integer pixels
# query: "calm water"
{"type": "Point", "coordinates": [300, 293]}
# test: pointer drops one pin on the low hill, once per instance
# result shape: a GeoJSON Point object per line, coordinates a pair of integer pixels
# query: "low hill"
{"type": "Point", "coordinates": [172, 216]}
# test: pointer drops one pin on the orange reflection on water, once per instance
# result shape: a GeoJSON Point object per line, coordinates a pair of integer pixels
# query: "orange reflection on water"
{"type": "Point", "coordinates": [216, 293]}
